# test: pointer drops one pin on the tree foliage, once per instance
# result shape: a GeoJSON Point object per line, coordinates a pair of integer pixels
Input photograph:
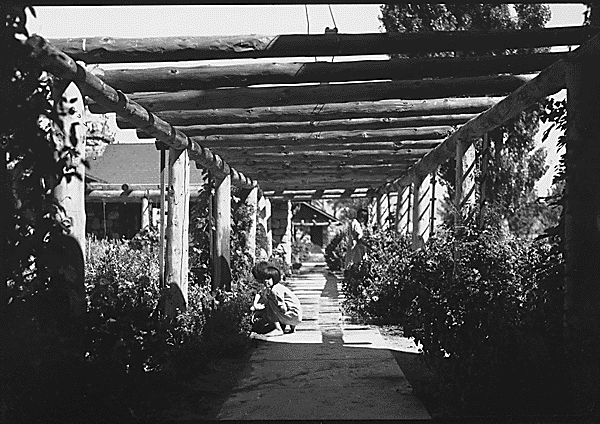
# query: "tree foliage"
{"type": "Point", "coordinates": [515, 163]}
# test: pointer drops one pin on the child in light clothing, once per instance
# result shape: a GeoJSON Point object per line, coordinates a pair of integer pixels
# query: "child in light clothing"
{"type": "Point", "coordinates": [276, 303]}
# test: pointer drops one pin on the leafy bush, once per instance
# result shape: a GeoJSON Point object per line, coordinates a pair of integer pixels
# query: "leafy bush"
{"type": "Point", "coordinates": [124, 330]}
{"type": "Point", "coordinates": [335, 251]}
{"type": "Point", "coordinates": [487, 310]}
{"type": "Point", "coordinates": [376, 289]}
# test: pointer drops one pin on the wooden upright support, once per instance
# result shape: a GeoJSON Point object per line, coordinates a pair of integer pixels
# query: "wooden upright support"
{"type": "Point", "coordinates": [582, 231]}
{"type": "Point", "coordinates": [261, 227]}
{"type": "Point", "coordinates": [222, 239]}
{"type": "Point", "coordinates": [403, 210]}
{"type": "Point", "coordinates": [252, 202]}
{"type": "Point", "coordinates": [483, 197]}
{"type": "Point", "coordinates": [420, 212]}
{"type": "Point", "coordinates": [432, 207]}
{"type": "Point", "coordinates": [71, 134]}
{"type": "Point", "coordinates": [382, 208]}
{"type": "Point", "coordinates": [145, 213]}
{"type": "Point", "coordinates": [269, 229]}
{"type": "Point", "coordinates": [465, 184]}
{"type": "Point", "coordinates": [177, 244]}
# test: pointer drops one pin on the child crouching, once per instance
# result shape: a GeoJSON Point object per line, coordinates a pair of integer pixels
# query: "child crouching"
{"type": "Point", "coordinates": [275, 303]}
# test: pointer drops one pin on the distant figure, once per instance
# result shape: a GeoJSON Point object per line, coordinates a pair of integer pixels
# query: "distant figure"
{"type": "Point", "coordinates": [275, 306]}
{"type": "Point", "coordinates": [356, 243]}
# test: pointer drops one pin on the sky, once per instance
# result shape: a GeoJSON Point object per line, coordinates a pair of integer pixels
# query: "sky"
{"type": "Point", "coordinates": [162, 21]}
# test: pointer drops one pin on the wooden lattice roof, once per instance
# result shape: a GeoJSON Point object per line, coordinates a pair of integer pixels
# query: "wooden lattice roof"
{"type": "Point", "coordinates": [323, 126]}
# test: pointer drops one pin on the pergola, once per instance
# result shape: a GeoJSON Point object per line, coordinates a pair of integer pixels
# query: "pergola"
{"type": "Point", "coordinates": [328, 130]}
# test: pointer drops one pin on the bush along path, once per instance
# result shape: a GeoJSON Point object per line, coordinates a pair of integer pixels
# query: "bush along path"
{"type": "Point", "coordinates": [329, 368]}
{"type": "Point", "coordinates": [490, 324]}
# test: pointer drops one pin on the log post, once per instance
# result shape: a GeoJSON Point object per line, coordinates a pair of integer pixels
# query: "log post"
{"type": "Point", "coordinates": [145, 213]}
{"type": "Point", "coordinates": [420, 209]}
{"type": "Point", "coordinates": [433, 180]}
{"type": "Point", "coordinates": [281, 228]}
{"type": "Point", "coordinates": [268, 228]}
{"type": "Point", "coordinates": [70, 192]}
{"type": "Point", "coordinates": [372, 220]}
{"type": "Point", "coordinates": [177, 246]}
{"type": "Point", "coordinates": [222, 239]}
{"type": "Point", "coordinates": [483, 197]}
{"type": "Point", "coordinates": [380, 208]}
{"type": "Point", "coordinates": [261, 227]}
{"type": "Point", "coordinates": [161, 221]}
{"type": "Point", "coordinates": [403, 210]}
{"type": "Point", "coordinates": [252, 202]}
{"type": "Point", "coordinates": [464, 185]}
{"type": "Point", "coordinates": [582, 232]}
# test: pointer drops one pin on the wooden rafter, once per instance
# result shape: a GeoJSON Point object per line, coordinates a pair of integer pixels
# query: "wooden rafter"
{"type": "Point", "coordinates": [323, 112]}
{"type": "Point", "coordinates": [326, 93]}
{"type": "Point", "coordinates": [318, 126]}
{"type": "Point", "coordinates": [282, 149]}
{"type": "Point", "coordinates": [242, 75]}
{"type": "Point", "coordinates": [325, 137]}
{"type": "Point", "coordinates": [164, 49]}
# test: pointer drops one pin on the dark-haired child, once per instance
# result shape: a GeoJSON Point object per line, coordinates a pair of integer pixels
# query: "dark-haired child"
{"type": "Point", "coordinates": [276, 303]}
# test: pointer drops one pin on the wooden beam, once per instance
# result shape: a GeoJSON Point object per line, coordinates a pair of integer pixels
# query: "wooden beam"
{"type": "Point", "coordinates": [325, 137]}
{"type": "Point", "coordinates": [319, 126]}
{"type": "Point", "coordinates": [325, 192]}
{"type": "Point", "coordinates": [382, 169]}
{"type": "Point", "coordinates": [323, 112]}
{"type": "Point", "coordinates": [176, 255]}
{"type": "Point", "coordinates": [145, 213]}
{"type": "Point", "coordinates": [281, 182]}
{"type": "Point", "coordinates": [120, 196]}
{"type": "Point", "coordinates": [242, 75]}
{"type": "Point", "coordinates": [165, 49]}
{"type": "Point", "coordinates": [222, 239]}
{"type": "Point", "coordinates": [61, 65]}
{"type": "Point", "coordinates": [464, 194]}
{"type": "Point", "coordinates": [403, 210]}
{"type": "Point", "coordinates": [251, 200]}
{"type": "Point", "coordinates": [324, 93]}
{"type": "Point", "coordinates": [125, 188]}
{"type": "Point", "coordinates": [269, 229]}
{"type": "Point", "coordinates": [315, 160]}
{"type": "Point", "coordinates": [70, 134]}
{"type": "Point", "coordinates": [319, 185]}
{"type": "Point", "coordinates": [328, 166]}
{"type": "Point", "coordinates": [284, 149]}
{"type": "Point", "coordinates": [548, 82]}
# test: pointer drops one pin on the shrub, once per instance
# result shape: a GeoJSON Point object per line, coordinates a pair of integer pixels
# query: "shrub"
{"type": "Point", "coordinates": [124, 329]}
{"type": "Point", "coordinates": [376, 288]}
{"type": "Point", "coordinates": [487, 310]}
{"type": "Point", "coordinates": [335, 251]}
{"type": "Point", "coordinates": [480, 319]}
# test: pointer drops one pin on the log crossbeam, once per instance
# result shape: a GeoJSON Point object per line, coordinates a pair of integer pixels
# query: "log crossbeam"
{"type": "Point", "coordinates": [313, 115]}
{"type": "Point", "coordinates": [243, 75]}
{"type": "Point", "coordinates": [128, 50]}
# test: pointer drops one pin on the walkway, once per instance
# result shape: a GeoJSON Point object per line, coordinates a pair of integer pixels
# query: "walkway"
{"type": "Point", "coordinates": [329, 369]}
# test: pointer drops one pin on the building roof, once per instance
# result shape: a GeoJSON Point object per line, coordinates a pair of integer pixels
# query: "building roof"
{"type": "Point", "coordinates": [131, 163]}
{"type": "Point", "coordinates": [308, 214]}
